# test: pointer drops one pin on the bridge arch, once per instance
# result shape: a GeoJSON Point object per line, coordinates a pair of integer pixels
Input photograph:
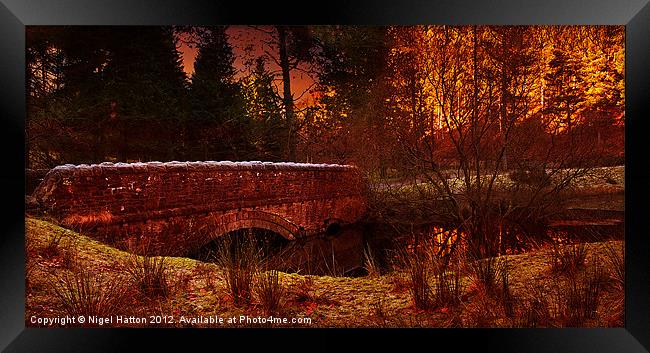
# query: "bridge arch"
{"type": "Point", "coordinates": [244, 219]}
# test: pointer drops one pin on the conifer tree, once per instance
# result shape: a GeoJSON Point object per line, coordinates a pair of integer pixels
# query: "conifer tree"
{"type": "Point", "coordinates": [264, 109]}
{"type": "Point", "coordinates": [218, 113]}
{"type": "Point", "coordinates": [564, 89]}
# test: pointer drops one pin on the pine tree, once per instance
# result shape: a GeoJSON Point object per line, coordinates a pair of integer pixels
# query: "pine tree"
{"type": "Point", "coordinates": [218, 111]}
{"type": "Point", "coordinates": [294, 47]}
{"type": "Point", "coordinates": [269, 128]}
{"type": "Point", "coordinates": [353, 77]}
{"type": "Point", "coordinates": [119, 93]}
{"type": "Point", "coordinates": [564, 89]}
{"type": "Point", "coordinates": [146, 85]}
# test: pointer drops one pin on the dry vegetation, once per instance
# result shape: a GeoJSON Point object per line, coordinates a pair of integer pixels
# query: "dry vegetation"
{"type": "Point", "coordinates": [510, 291]}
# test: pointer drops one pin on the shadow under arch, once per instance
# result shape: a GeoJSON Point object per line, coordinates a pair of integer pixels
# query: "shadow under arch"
{"type": "Point", "coordinates": [248, 219]}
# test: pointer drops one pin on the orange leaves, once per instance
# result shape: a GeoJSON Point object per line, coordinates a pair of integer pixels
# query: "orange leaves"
{"type": "Point", "coordinates": [310, 307]}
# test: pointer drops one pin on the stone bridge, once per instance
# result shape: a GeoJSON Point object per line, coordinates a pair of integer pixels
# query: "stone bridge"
{"type": "Point", "coordinates": [176, 207]}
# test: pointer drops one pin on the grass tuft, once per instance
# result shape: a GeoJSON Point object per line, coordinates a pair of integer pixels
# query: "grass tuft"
{"type": "Point", "coordinates": [240, 258]}
{"type": "Point", "coordinates": [149, 274]}
{"type": "Point", "coordinates": [491, 275]}
{"type": "Point", "coordinates": [82, 293]}
{"type": "Point", "coordinates": [370, 262]}
{"type": "Point", "coordinates": [51, 248]}
{"type": "Point", "coordinates": [567, 259]}
{"type": "Point", "coordinates": [420, 286]}
{"type": "Point", "coordinates": [270, 292]}
{"type": "Point", "coordinates": [582, 296]}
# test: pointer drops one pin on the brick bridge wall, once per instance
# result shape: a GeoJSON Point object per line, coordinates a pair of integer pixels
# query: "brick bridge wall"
{"type": "Point", "coordinates": [176, 207]}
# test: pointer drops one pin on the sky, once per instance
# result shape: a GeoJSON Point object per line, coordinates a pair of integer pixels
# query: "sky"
{"type": "Point", "coordinates": [255, 39]}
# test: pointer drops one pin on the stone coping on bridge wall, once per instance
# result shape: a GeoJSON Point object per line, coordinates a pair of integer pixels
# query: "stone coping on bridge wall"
{"type": "Point", "coordinates": [197, 166]}
{"type": "Point", "coordinates": [153, 189]}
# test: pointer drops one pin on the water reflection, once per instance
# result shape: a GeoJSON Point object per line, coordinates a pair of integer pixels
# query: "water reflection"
{"type": "Point", "coordinates": [509, 238]}
{"type": "Point", "coordinates": [342, 254]}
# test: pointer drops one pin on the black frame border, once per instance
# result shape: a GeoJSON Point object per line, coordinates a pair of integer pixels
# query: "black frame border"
{"type": "Point", "coordinates": [16, 14]}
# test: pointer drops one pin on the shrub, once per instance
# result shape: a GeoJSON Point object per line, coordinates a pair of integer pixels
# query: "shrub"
{"type": "Point", "coordinates": [270, 292]}
{"type": "Point", "coordinates": [149, 275]}
{"type": "Point", "coordinates": [82, 293]}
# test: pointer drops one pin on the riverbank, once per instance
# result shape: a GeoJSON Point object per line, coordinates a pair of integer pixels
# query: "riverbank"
{"type": "Point", "coordinates": [197, 289]}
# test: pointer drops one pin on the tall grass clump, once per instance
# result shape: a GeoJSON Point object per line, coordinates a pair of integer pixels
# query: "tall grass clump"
{"type": "Point", "coordinates": [329, 266]}
{"type": "Point", "coordinates": [614, 259]}
{"type": "Point", "coordinates": [149, 274]}
{"type": "Point", "coordinates": [434, 280]}
{"type": "Point", "coordinates": [581, 297]}
{"type": "Point", "coordinates": [420, 286]}
{"type": "Point", "coordinates": [567, 259]}
{"type": "Point", "coordinates": [51, 248]}
{"type": "Point", "coordinates": [508, 300]}
{"type": "Point", "coordinates": [82, 293]}
{"type": "Point", "coordinates": [534, 310]}
{"type": "Point", "coordinates": [304, 290]}
{"type": "Point", "coordinates": [240, 258]}
{"type": "Point", "coordinates": [447, 288]}
{"type": "Point", "coordinates": [370, 263]}
{"type": "Point", "coordinates": [270, 292]}
{"type": "Point", "coordinates": [379, 313]}
{"type": "Point", "coordinates": [69, 255]}
{"type": "Point", "coordinates": [490, 274]}
{"type": "Point", "coordinates": [534, 313]}
{"type": "Point", "coordinates": [31, 264]}
{"type": "Point", "coordinates": [416, 262]}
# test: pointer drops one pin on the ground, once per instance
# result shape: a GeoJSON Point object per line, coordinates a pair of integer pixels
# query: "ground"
{"type": "Point", "coordinates": [198, 289]}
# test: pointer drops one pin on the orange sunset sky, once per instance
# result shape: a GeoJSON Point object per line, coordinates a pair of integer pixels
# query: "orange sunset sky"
{"type": "Point", "coordinates": [249, 43]}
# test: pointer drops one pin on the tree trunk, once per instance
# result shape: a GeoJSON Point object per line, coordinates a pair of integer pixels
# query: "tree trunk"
{"type": "Point", "coordinates": [287, 97]}
{"type": "Point", "coordinates": [503, 107]}
{"type": "Point", "coordinates": [123, 149]}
